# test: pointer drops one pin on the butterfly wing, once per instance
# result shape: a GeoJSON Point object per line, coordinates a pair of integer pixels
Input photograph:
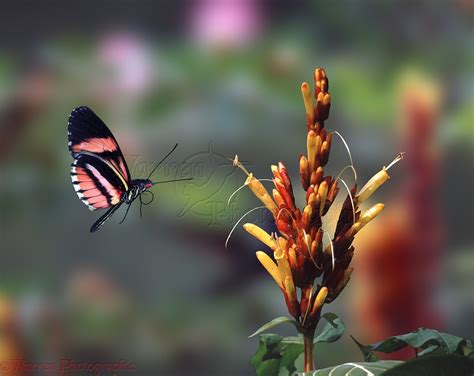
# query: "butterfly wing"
{"type": "Point", "coordinates": [97, 182]}
{"type": "Point", "coordinates": [88, 134]}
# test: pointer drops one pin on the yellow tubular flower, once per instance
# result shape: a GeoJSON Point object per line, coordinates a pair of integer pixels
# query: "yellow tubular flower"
{"type": "Point", "coordinates": [282, 242]}
{"type": "Point", "coordinates": [283, 265]}
{"type": "Point", "coordinates": [270, 266]}
{"type": "Point", "coordinates": [308, 101]}
{"type": "Point", "coordinates": [372, 185]}
{"type": "Point", "coordinates": [259, 190]}
{"type": "Point", "coordinates": [290, 288]}
{"type": "Point", "coordinates": [367, 216]}
{"type": "Point", "coordinates": [260, 234]}
{"type": "Point", "coordinates": [377, 180]}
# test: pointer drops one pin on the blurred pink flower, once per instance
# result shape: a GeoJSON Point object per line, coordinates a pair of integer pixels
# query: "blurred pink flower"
{"type": "Point", "coordinates": [128, 63]}
{"type": "Point", "coordinates": [225, 23]}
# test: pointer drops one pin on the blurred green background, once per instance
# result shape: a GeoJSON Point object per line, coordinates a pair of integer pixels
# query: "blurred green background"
{"type": "Point", "coordinates": [223, 78]}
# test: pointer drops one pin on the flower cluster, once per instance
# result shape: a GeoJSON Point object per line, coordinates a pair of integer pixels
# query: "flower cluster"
{"type": "Point", "coordinates": [300, 259]}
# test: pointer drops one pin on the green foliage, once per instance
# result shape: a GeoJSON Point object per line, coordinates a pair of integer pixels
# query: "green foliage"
{"type": "Point", "coordinates": [275, 322]}
{"type": "Point", "coordinates": [436, 365]}
{"type": "Point", "coordinates": [276, 355]}
{"type": "Point", "coordinates": [448, 354]}
{"type": "Point", "coordinates": [355, 369]}
{"type": "Point", "coordinates": [430, 341]}
{"type": "Point", "coordinates": [333, 330]}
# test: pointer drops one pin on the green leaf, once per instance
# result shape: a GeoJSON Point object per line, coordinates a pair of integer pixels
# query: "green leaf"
{"type": "Point", "coordinates": [276, 355]}
{"type": "Point", "coordinates": [333, 330]}
{"type": "Point", "coordinates": [429, 340]}
{"type": "Point", "coordinates": [273, 323]}
{"type": "Point", "coordinates": [355, 369]}
{"type": "Point", "coordinates": [366, 350]}
{"type": "Point", "coordinates": [435, 365]}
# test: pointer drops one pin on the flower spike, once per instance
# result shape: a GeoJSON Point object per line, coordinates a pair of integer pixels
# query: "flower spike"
{"type": "Point", "coordinates": [310, 272]}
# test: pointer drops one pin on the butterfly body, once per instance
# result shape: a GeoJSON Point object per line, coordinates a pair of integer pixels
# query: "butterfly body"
{"type": "Point", "coordinates": [138, 186]}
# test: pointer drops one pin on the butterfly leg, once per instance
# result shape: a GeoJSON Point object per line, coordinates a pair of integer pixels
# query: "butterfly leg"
{"type": "Point", "coordinates": [125, 216]}
{"type": "Point", "coordinates": [98, 224]}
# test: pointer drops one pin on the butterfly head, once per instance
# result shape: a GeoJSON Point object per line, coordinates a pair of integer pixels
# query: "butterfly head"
{"type": "Point", "coordinates": [142, 185]}
{"type": "Point", "coordinates": [147, 184]}
{"type": "Point", "coordinates": [137, 188]}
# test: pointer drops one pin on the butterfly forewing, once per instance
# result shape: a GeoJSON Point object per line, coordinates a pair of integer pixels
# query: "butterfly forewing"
{"type": "Point", "coordinates": [87, 133]}
{"type": "Point", "coordinates": [96, 182]}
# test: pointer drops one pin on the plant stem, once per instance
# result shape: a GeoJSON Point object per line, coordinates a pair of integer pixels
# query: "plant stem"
{"type": "Point", "coordinates": [308, 337]}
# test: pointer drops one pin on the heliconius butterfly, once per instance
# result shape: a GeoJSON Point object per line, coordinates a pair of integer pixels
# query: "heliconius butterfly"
{"type": "Point", "coordinates": [99, 172]}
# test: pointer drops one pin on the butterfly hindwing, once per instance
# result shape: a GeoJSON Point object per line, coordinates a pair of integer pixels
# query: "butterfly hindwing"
{"type": "Point", "coordinates": [87, 133]}
{"type": "Point", "coordinates": [97, 183]}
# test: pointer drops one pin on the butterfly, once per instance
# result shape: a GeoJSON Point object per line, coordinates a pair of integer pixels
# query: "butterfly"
{"type": "Point", "coordinates": [99, 172]}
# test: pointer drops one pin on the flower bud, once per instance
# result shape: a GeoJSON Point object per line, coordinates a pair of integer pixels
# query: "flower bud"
{"type": "Point", "coordinates": [292, 258]}
{"type": "Point", "coordinates": [325, 148]}
{"type": "Point", "coordinates": [322, 191]}
{"type": "Point", "coordinates": [277, 196]}
{"type": "Point", "coordinates": [283, 172]}
{"type": "Point", "coordinates": [319, 301]}
{"type": "Point", "coordinates": [321, 297]}
{"type": "Point", "coordinates": [308, 210]}
{"type": "Point", "coordinates": [317, 175]}
{"type": "Point", "coordinates": [304, 172]}
{"type": "Point", "coordinates": [275, 171]}
{"type": "Point", "coordinates": [321, 83]}
{"type": "Point", "coordinates": [311, 198]}
{"type": "Point", "coordinates": [312, 149]}
{"type": "Point", "coordinates": [306, 216]}
{"type": "Point", "coordinates": [333, 191]}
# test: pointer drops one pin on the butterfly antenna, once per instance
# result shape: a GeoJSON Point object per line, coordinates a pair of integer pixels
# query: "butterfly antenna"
{"type": "Point", "coordinates": [145, 202]}
{"type": "Point", "coordinates": [149, 201]}
{"type": "Point", "coordinates": [160, 162]}
{"type": "Point", "coordinates": [171, 181]}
